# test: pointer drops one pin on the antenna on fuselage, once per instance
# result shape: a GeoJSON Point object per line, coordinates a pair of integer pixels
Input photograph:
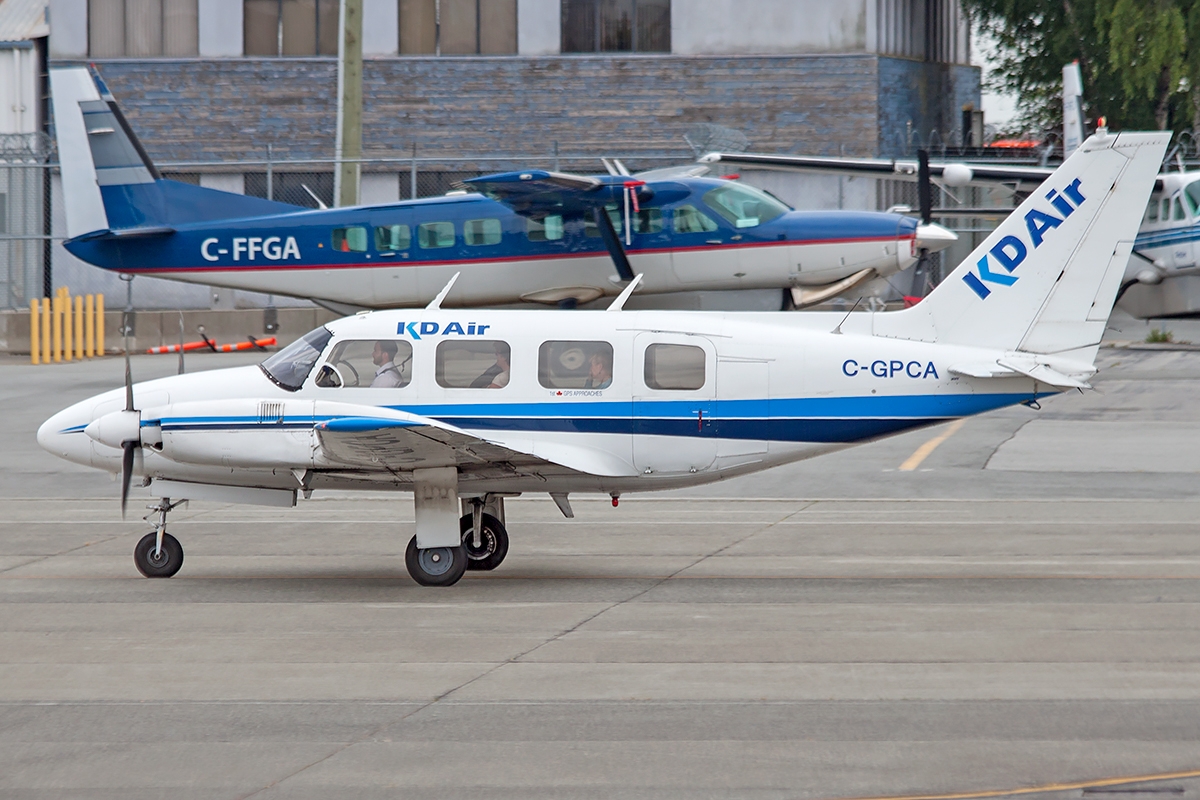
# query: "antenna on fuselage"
{"type": "Point", "coordinates": [619, 303]}
{"type": "Point", "coordinates": [320, 203]}
{"type": "Point", "coordinates": [838, 329]}
{"type": "Point", "coordinates": [436, 303]}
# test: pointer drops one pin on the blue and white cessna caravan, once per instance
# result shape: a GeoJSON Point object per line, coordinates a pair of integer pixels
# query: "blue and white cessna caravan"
{"type": "Point", "coordinates": [531, 236]}
{"type": "Point", "coordinates": [465, 407]}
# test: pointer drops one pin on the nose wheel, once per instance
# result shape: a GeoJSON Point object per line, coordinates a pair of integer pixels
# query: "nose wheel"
{"type": "Point", "coordinates": [158, 554]}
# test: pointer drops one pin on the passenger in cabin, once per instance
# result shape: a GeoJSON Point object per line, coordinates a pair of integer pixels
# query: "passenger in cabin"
{"type": "Point", "coordinates": [496, 376]}
{"type": "Point", "coordinates": [387, 376]}
{"type": "Point", "coordinates": [600, 375]}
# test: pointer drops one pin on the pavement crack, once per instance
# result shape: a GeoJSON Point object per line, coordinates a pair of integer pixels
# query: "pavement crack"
{"type": "Point", "coordinates": [1007, 439]}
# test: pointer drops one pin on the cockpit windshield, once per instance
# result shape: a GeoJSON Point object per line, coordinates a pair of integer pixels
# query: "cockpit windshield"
{"type": "Point", "coordinates": [744, 206]}
{"type": "Point", "coordinates": [1192, 194]}
{"type": "Point", "coordinates": [290, 366]}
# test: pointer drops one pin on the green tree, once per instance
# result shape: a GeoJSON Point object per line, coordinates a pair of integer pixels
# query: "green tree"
{"type": "Point", "coordinates": [1140, 59]}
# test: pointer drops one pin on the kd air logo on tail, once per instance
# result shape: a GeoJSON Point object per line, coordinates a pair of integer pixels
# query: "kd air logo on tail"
{"type": "Point", "coordinates": [1010, 251]}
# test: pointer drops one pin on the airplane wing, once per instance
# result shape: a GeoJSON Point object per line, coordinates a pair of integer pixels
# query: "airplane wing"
{"type": "Point", "coordinates": [537, 192]}
{"type": "Point", "coordinates": [383, 439]}
{"type": "Point", "coordinates": [1018, 178]}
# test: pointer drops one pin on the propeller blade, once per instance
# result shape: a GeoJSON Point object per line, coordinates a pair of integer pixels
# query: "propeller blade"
{"type": "Point", "coordinates": [128, 370]}
{"type": "Point", "coordinates": [126, 472]}
{"type": "Point", "coordinates": [924, 187]}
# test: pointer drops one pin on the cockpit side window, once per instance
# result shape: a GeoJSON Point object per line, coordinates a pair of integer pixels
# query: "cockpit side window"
{"type": "Point", "coordinates": [1192, 195]}
{"type": "Point", "coordinates": [367, 363]}
{"type": "Point", "coordinates": [352, 239]}
{"type": "Point", "coordinates": [743, 206]}
{"type": "Point", "coordinates": [289, 367]}
{"type": "Point", "coordinates": [689, 219]}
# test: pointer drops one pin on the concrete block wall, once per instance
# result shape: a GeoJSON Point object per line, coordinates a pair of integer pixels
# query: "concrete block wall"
{"type": "Point", "coordinates": [156, 328]}
{"type": "Point", "coordinates": [190, 110]}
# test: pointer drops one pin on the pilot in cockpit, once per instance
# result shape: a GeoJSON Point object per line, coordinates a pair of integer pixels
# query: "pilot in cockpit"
{"type": "Point", "coordinates": [387, 374]}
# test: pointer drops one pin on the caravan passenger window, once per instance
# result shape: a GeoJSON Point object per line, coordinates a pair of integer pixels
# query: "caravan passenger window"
{"type": "Point", "coordinates": [473, 365]}
{"type": "Point", "coordinates": [478, 232]}
{"type": "Point", "coordinates": [350, 240]}
{"type": "Point", "coordinates": [547, 229]}
{"type": "Point", "coordinates": [390, 238]}
{"type": "Point", "coordinates": [575, 365]}
{"type": "Point", "coordinates": [674, 366]}
{"type": "Point", "coordinates": [689, 219]}
{"type": "Point", "coordinates": [1152, 210]}
{"type": "Point", "coordinates": [367, 363]}
{"type": "Point", "coordinates": [647, 220]}
{"type": "Point", "coordinates": [433, 235]}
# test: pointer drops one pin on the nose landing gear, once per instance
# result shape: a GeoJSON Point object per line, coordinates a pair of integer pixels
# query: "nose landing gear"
{"type": "Point", "coordinates": [158, 554]}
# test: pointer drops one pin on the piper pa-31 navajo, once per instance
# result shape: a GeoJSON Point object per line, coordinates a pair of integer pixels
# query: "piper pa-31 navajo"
{"type": "Point", "coordinates": [531, 236]}
{"type": "Point", "coordinates": [465, 407]}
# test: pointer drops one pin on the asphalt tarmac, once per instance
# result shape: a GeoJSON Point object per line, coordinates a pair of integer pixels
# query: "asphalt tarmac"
{"type": "Point", "coordinates": [1010, 605]}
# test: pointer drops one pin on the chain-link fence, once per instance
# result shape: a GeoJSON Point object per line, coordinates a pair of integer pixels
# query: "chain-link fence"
{"type": "Point", "coordinates": [33, 262]}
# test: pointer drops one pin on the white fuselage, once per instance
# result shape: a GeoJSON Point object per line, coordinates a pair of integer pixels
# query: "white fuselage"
{"type": "Point", "coordinates": [693, 398]}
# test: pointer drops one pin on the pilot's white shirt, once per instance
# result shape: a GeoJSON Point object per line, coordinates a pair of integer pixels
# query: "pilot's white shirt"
{"type": "Point", "coordinates": [387, 377]}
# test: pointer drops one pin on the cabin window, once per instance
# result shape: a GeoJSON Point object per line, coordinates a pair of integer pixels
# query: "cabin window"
{"type": "Point", "coordinates": [350, 240]}
{"type": "Point", "coordinates": [1179, 209]}
{"type": "Point", "coordinates": [1152, 210]}
{"type": "Point", "coordinates": [1165, 214]}
{"type": "Point", "coordinates": [575, 365]}
{"type": "Point", "coordinates": [433, 235]}
{"type": "Point", "coordinates": [289, 367]}
{"type": "Point", "coordinates": [674, 366]}
{"type": "Point", "coordinates": [367, 363]}
{"type": "Point", "coordinates": [473, 364]}
{"type": "Point", "coordinates": [647, 220]}
{"type": "Point", "coordinates": [390, 238]}
{"type": "Point", "coordinates": [547, 229]}
{"type": "Point", "coordinates": [689, 219]}
{"type": "Point", "coordinates": [743, 206]}
{"type": "Point", "coordinates": [1192, 193]}
{"type": "Point", "coordinates": [478, 232]}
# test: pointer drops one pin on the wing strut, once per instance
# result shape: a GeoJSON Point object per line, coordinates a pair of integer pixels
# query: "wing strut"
{"type": "Point", "coordinates": [613, 243]}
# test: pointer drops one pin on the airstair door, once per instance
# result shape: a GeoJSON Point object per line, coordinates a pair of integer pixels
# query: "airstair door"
{"type": "Point", "coordinates": [674, 396]}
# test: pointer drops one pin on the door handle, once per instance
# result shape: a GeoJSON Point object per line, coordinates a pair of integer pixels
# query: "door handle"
{"type": "Point", "coordinates": [713, 241]}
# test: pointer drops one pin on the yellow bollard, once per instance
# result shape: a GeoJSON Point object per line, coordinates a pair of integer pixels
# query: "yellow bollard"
{"type": "Point", "coordinates": [99, 324]}
{"type": "Point", "coordinates": [35, 355]}
{"type": "Point", "coordinates": [57, 327]}
{"type": "Point", "coordinates": [89, 325]}
{"type": "Point", "coordinates": [46, 325]}
{"type": "Point", "coordinates": [78, 326]}
{"type": "Point", "coordinates": [68, 326]}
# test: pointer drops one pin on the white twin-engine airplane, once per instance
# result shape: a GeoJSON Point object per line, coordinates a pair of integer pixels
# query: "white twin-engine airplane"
{"type": "Point", "coordinates": [466, 407]}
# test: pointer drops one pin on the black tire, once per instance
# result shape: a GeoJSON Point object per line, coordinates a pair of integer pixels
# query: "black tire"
{"type": "Point", "coordinates": [165, 564]}
{"type": "Point", "coordinates": [495, 543]}
{"type": "Point", "coordinates": [435, 566]}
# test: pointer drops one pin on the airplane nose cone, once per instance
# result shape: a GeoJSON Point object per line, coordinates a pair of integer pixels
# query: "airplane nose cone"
{"type": "Point", "coordinates": [934, 237]}
{"type": "Point", "coordinates": [62, 435]}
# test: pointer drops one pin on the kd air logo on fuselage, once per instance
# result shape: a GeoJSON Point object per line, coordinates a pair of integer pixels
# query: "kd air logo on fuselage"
{"type": "Point", "coordinates": [418, 329]}
{"type": "Point", "coordinates": [1010, 251]}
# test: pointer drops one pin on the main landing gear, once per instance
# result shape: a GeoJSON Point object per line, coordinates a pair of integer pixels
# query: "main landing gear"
{"type": "Point", "coordinates": [483, 544]}
{"type": "Point", "coordinates": [158, 554]}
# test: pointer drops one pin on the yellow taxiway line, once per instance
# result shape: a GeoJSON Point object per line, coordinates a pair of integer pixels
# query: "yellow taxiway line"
{"type": "Point", "coordinates": [1049, 787]}
{"type": "Point", "coordinates": [922, 452]}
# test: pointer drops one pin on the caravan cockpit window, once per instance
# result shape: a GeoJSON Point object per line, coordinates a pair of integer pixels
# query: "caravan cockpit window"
{"type": "Point", "coordinates": [289, 367]}
{"type": "Point", "coordinates": [1192, 194]}
{"type": "Point", "coordinates": [743, 206]}
{"type": "Point", "coordinates": [350, 240]}
{"type": "Point", "coordinates": [390, 238]}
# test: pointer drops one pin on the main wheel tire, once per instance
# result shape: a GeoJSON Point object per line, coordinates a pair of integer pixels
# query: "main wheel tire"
{"type": "Point", "coordinates": [165, 563]}
{"type": "Point", "coordinates": [435, 566]}
{"type": "Point", "coordinates": [494, 542]}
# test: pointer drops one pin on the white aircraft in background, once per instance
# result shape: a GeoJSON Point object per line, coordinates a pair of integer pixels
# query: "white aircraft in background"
{"type": "Point", "coordinates": [1168, 242]}
{"type": "Point", "coordinates": [465, 407]}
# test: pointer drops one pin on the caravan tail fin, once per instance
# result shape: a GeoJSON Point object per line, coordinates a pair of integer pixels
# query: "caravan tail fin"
{"type": "Point", "coordinates": [109, 182]}
{"type": "Point", "coordinates": [1044, 282]}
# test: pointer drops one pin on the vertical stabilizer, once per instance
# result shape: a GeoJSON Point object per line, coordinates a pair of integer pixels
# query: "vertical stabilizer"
{"type": "Point", "coordinates": [81, 193]}
{"type": "Point", "coordinates": [1046, 279]}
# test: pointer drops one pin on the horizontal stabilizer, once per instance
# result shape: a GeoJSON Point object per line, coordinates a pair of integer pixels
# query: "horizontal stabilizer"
{"type": "Point", "coordinates": [1030, 368]}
